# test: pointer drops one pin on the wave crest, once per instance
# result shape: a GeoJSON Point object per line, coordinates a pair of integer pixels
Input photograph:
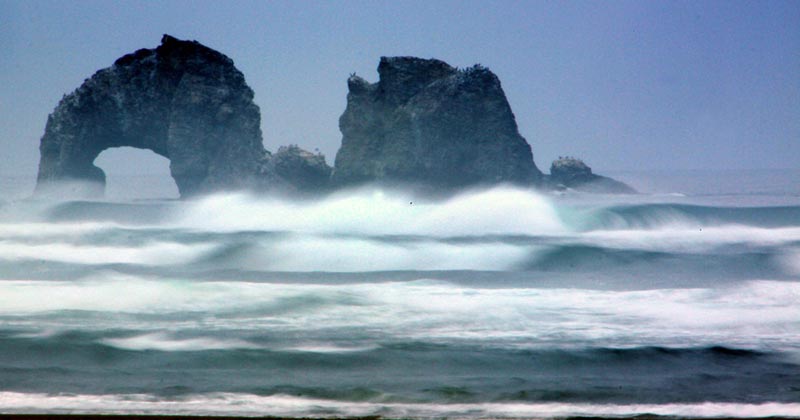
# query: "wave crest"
{"type": "Point", "coordinates": [501, 210]}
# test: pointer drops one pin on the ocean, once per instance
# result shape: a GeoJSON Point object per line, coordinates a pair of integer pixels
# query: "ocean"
{"type": "Point", "coordinates": [495, 303]}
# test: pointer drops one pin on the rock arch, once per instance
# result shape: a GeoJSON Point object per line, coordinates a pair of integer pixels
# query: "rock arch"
{"type": "Point", "coordinates": [182, 100]}
{"type": "Point", "coordinates": [133, 173]}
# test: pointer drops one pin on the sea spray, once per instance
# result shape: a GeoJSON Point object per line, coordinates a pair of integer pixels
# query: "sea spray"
{"type": "Point", "coordinates": [500, 210]}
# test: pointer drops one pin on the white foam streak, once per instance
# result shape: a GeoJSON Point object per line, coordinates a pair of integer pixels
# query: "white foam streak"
{"type": "Point", "coordinates": [164, 342]}
{"type": "Point", "coordinates": [113, 293]}
{"type": "Point", "coordinates": [155, 253]}
{"type": "Point", "coordinates": [325, 348]}
{"type": "Point", "coordinates": [39, 230]}
{"type": "Point", "coordinates": [756, 314]}
{"type": "Point", "coordinates": [311, 253]}
{"type": "Point", "coordinates": [681, 238]}
{"type": "Point", "coordinates": [291, 406]}
{"type": "Point", "coordinates": [501, 210]}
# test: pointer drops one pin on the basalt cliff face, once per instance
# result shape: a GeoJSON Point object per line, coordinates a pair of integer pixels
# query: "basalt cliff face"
{"type": "Point", "coordinates": [183, 101]}
{"type": "Point", "coordinates": [425, 122]}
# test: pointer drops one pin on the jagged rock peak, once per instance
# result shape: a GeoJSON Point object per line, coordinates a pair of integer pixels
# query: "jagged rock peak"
{"type": "Point", "coordinates": [403, 77]}
{"type": "Point", "coordinates": [427, 122]}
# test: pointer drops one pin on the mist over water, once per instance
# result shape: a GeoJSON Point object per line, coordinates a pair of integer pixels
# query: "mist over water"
{"type": "Point", "coordinates": [497, 302]}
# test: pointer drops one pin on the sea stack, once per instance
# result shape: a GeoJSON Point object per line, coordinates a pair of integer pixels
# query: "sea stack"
{"type": "Point", "coordinates": [424, 124]}
{"type": "Point", "coordinates": [427, 123]}
{"type": "Point", "coordinates": [183, 101]}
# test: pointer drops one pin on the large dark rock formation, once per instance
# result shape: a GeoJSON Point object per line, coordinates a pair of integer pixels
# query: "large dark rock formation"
{"type": "Point", "coordinates": [424, 123]}
{"type": "Point", "coordinates": [182, 100]}
{"type": "Point", "coordinates": [569, 172]}
{"type": "Point", "coordinates": [428, 123]}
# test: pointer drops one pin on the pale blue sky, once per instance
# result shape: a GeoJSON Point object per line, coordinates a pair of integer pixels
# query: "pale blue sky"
{"type": "Point", "coordinates": [623, 84]}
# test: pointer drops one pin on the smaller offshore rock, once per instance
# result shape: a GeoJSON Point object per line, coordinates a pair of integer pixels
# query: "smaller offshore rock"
{"type": "Point", "coordinates": [573, 173]}
{"type": "Point", "coordinates": [304, 170]}
{"type": "Point", "coordinates": [429, 124]}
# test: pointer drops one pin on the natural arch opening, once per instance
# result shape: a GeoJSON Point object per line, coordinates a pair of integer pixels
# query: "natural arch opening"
{"type": "Point", "coordinates": [133, 173]}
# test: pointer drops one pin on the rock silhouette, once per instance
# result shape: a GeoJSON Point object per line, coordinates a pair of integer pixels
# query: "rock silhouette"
{"type": "Point", "coordinates": [426, 122]}
{"type": "Point", "coordinates": [182, 100]}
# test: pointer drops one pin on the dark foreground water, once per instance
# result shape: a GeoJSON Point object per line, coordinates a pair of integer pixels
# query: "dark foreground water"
{"type": "Point", "coordinates": [494, 303]}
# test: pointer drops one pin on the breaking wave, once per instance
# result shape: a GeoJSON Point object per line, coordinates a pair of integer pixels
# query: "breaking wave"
{"type": "Point", "coordinates": [492, 303]}
{"type": "Point", "coordinates": [428, 310]}
{"type": "Point", "coordinates": [378, 230]}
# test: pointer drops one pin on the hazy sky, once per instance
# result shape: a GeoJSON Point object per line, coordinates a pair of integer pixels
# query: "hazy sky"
{"type": "Point", "coordinates": [625, 85]}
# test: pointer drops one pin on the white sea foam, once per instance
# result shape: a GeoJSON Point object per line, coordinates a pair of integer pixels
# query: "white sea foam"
{"type": "Point", "coordinates": [352, 232]}
{"type": "Point", "coordinates": [40, 229]}
{"type": "Point", "coordinates": [501, 210]}
{"type": "Point", "coordinates": [327, 348]}
{"type": "Point", "coordinates": [752, 315]}
{"type": "Point", "coordinates": [319, 252]}
{"type": "Point", "coordinates": [300, 253]}
{"type": "Point", "coordinates": [291, 406]}
{"type": "Point", "coordinates": [165, 342]}
{"type": "Point", "coordinates": [683, 238]}
{"type": "Point", "coordinates": [327, 234]}
{"type": "Point", "coordinates": [111, 292]}
{"type": "Point", "coordinates": [756, 314]}
{"type": "Point", "coordinates": [303, 253]}
{"type": "Point", "coordinates": [154, 253]}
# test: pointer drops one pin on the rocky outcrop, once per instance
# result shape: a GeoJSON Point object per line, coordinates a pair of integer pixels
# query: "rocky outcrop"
{"type": "Point", "coordinates": [306, 171]}
{"type": "Point", "coordinates": [182, 100]}
{"type": "Point", "coordinates": [425, 122]}
{"type": "Point", "coordinates": [569, 172]}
